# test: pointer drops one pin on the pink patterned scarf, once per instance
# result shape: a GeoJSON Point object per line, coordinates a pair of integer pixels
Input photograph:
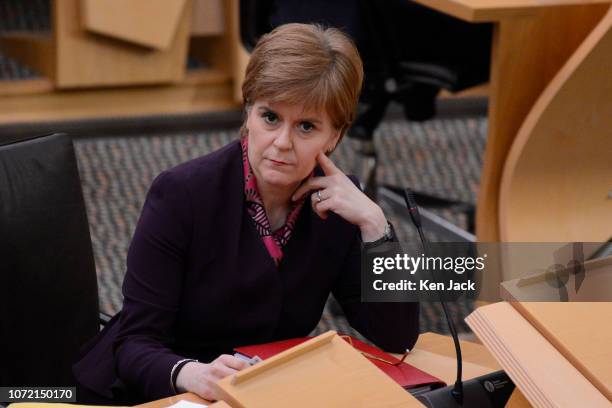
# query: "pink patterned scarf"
{"type": "Point", "coordinates": [273, 240]}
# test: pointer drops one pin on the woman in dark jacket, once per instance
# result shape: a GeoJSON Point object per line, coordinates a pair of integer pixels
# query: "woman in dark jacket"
{"type": "Point", "coordinates": [244, 245]}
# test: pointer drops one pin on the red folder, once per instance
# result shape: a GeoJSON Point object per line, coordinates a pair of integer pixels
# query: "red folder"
{"type": "Point", "coordinates": [404, 374]}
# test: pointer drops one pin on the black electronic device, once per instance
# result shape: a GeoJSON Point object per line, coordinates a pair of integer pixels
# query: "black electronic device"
{"type": "Point", "coordinates": [487, 391]}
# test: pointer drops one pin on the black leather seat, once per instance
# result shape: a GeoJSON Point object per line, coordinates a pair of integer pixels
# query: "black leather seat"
{"type": "Point", "coordinates": [48, 285]}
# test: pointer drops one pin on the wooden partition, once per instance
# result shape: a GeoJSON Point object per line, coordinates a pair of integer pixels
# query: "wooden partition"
{"type": "Point", "coordinates": [532, 40]}
{"type": "Point", "coordinates": [93, 45]}
{"type": "Point", "coordinates": [85, 59]}
{"type": "Point", "coordinates": [557, 180]}
{"type": "Point", "coordinates": [94, 67]}
{"type": "Point", "coordinates": [150, 23]}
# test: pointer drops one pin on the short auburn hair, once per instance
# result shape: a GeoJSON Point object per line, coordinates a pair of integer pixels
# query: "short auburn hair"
{"type": "Point", "coordinates": [306, 64]}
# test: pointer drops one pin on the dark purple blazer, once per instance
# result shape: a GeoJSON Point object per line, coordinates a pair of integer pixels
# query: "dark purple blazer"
{"type": "Point", "coordinates": [200, 282]}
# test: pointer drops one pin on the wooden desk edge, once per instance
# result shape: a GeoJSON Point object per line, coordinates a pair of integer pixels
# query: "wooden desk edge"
{"type": "Point", "coordinates": [475, 11]}
{"type": "Point", "coordinates": [430, 342]}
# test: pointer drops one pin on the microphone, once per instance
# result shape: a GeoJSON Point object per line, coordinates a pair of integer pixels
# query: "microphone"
{"type": "Point", "coordinates": [490, 390]}
{"type": "Point", "coordinates": [413, 209]}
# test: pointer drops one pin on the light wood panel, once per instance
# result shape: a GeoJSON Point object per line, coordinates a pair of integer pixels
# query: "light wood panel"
{"type": "Point", "coordinates": [202, 90]}
{"type": "Point", "coordinates": [166, 402]}
{"type": "Point", "coordinates": [151, 23]}
{"type": "Point", "coordinates": [532, 39]}
{"type": "Point", "coordinates": [206, 76]}
{"type": "Point", "coordinates": [116, 103]}
{"type": "Point", "coordinates": [526, 55]}
{"type": "Point", "coordinates": [208, 17]}
{"type": "Point", "coordinates": [325, 371]}
{"type": "Point", "coordinates": [544, 376]}
{"type": "Point", "coordinates": [25, 86]}
{"type": "Point", "coordinates": [558, 175]}
{"type": "Point", "coordinates": [220, 404]}
{"type": "Point", "coordinates": [595, 287]}
{"type": "Point", "coordinates": [479, 11]}
{"type": "Point", "coordinates": [565, 324]}
{"type": "Point", "coordinates": [433, 353]}
{"type": "Point", "coordinates": [518, 400]}
{"type": "Point", "coordinates": [86, 60]}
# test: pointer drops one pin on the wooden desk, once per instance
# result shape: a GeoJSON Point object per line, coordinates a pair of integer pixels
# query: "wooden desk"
{"type": "Point", "coordinates": [532, 39]}
{"type": "Point", "coordinates": [433, 353]}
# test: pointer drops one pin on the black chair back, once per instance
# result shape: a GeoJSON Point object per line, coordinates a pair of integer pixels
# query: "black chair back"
{"type": "Point", "coordinates": [254, 21]}
{"type": "Point", "coordinates": [409, 51]}
{"type": "Point", "coordinates": [48, 285]}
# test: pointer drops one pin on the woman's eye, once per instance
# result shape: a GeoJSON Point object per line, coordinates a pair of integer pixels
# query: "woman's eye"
{"type": "Point", "coordinates": [306, 126]}
{"type": "Point", "coordinates": [270, 117]}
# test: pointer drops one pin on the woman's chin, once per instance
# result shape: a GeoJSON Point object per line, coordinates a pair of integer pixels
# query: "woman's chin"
{"type": "Point", "coordinates": [279, 179]}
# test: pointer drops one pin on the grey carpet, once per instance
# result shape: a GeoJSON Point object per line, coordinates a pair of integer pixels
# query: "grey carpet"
{"type": "Point", "coordinates": [441, 156]}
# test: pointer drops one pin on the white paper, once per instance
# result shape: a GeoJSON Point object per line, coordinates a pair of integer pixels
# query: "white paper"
{"type": "Point", "coordinates": [187, 404]}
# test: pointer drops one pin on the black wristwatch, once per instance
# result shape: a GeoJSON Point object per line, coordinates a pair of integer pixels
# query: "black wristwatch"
{"type": "Point", "coordinates": [387, 237]}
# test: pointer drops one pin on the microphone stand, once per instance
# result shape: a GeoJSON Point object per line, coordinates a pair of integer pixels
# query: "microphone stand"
{"type": "Point", "coordinates": [415, 216]}
{"type": "Point", "coordinates": [491, 390]}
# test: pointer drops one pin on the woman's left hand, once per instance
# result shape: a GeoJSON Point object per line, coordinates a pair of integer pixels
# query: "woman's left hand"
{"type": "Point", "coordinates": [336, 192]}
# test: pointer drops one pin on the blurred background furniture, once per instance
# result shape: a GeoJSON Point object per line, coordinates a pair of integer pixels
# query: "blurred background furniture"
{"type": "Point", "coordinates": [119, 59]}
{"type": "Point", "coordinates": [139, 45]}
{"type": "Point", "coordinates": [532, 40]}
{"type": "Point", "coordinates": [557, 179]}
{"type": "Point", "coordinates": [48, 287]}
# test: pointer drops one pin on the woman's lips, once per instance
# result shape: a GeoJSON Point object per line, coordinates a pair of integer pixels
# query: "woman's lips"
{"type": "Point", "coordinates": [278, 162]}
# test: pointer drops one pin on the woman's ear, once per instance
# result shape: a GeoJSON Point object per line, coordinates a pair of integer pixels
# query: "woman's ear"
{"type": "Point", "coordinates": [333, 143]}
{"type": "Point", "coordinates": [244, 130]}
{"type": "Point", "coordinates": [247, 110]}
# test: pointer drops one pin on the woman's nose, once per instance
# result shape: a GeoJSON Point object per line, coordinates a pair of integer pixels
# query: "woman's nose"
{"type": "Point", "coordinates": [283, 138]}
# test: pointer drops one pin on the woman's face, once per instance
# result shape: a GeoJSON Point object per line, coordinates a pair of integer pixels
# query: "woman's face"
{"type": "Point", "coordinates": [284, 141]}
